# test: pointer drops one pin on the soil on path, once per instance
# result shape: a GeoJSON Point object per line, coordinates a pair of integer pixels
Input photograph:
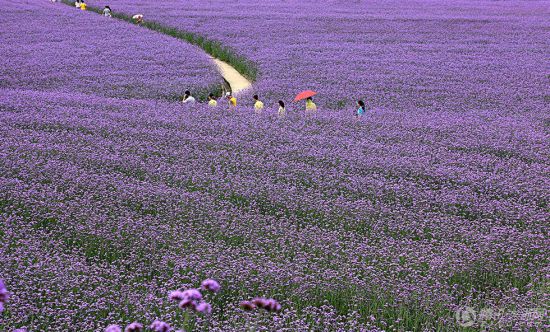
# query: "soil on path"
{"type": "Point", "coordinates": [237, 81]}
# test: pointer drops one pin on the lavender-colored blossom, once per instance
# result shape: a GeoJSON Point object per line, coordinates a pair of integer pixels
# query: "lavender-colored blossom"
{"type": "Point", "coordinates": [192, 294]}
{"type": "Point", "coordinates": [176, 295]}
{"type": "Point", "coordinates": [159, 326]}
{"type": "Point", "coordinates": [113, 328]}
{"type": "Point", "coordinates": [188, 304]}
{"type": "Point", "coordinates": [204, 307]}
{"type": "Point", "coordinates": [211, 285]}
{"type": "Point", "coordinates": [134, 327]}
{"type": "Point", "coordinates": [4, 294]}
{"type": "Point", "coordinates": [247, 305]}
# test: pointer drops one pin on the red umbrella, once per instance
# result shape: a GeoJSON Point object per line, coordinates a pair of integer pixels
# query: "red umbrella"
{"type": "Point", "coordinates": [305, 94]}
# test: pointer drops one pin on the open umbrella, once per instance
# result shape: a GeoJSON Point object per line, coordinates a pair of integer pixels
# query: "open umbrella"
{"type": "Point", "coordinates": [305, 94]}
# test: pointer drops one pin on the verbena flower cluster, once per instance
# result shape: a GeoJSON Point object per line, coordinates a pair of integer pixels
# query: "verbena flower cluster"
{"type": "Point", "coordinates": [4, 295]}
{"type": "Point", "coordinates": [64, 49]}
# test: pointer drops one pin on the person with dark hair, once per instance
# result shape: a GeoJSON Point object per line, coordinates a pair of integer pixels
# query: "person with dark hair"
{"type": "Point", "coordinates": [258, 105]}
{"type": "Point", "coordinates": [138, 18]}
{"type": "Point", "coordinates": [83, 5]}
{"type": "Point", "coordinates": [107, 11]}
{"type": "Point", "coordinates": [361, 110]}
{"type": "Point", "coordinates": [282, 110]}
{"type": "Point", "coordinates": [310, 105]}
{"type": "Point", "coordinates": [212, 102]}
{"type": "Point", "coordinates": [187, 98]}
{"type": "Point", "coordinates": [77, 3]}
{"type": "Point", "coordinates": [231, 100]}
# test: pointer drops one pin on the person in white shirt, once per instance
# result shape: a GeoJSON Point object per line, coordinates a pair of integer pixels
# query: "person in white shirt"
{"type": "Point", "coordinates": [187, 98]}
{"type": "Point", "coordinates": [138, 18]}
{"type": "Point", "coordinates": [107, 12]}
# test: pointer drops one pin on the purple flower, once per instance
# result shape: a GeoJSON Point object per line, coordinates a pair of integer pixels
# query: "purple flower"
{"type": "Point", "coordinates": [267, 304]}
{"type": "Point", "coordinates": [4, 294]}
{"type": "Point", "coordinates": [188, 303]}
{"type": "Point", "coordinates": [204, 307]}
{"type": "Point", "coordinates": [211, 285]}
{"type": "Point", "coordinates": [134, 327]}
{"type": "Point", "coordinates": [113, 328]}
{"type": "Point", "coordinates": [248, 305]}
{"type": "Point", "coordinates": [192, 294]}
{"type": "Point", "coordinates": [159, 326]}
{"type": "Point", "coordinates": [176, 295]}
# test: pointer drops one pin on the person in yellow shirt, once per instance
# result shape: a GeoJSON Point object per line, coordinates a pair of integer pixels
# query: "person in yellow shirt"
{"type": "Point", "coordinates": [212, 101]}
{"type": "Point", "coordinates": [310, 105]}
{"type": "Point", "coordinates": [83, 6]}
{"type": "Point", "coordinates": [258, 105]}
{"type": "Point", "coordinates": [232, 100]}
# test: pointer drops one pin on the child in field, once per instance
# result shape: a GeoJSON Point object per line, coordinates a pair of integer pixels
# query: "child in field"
{"type": "Point", "coordinates": [77, 3]}
{"type": "Point", "coordinates": [310, 105]}
{"type": "Point", "coordinates": [258, 105]}
{"type": "Point", "coordinates": [83, 6]}
{"type": "Point", "coordinates": [361, 110]}
{"type": "Point", "coordinates": [187, 98]}
{"type": "Point", "coordinates": [282, 111]}
{"type": "Point", "coordinates": [107, 11]}
{"type": "Point", "coordinates": [232, 100]}
{"type": "Point", "coordinates": [212, 101]}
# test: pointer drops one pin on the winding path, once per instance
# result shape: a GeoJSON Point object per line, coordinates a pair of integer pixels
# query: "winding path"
{"type": "Point", "coordinates": [237, 82]}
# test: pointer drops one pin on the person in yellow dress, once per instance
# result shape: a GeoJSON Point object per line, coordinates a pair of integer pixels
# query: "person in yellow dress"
{"type": "Point", "coordinates": [258, 105]}
{"type": "Point", "coordinates": [212, 101]}
{"type": "Point", "coordinates": [232, 100]}
{"type": "Point", "coordinates": [310, 105]}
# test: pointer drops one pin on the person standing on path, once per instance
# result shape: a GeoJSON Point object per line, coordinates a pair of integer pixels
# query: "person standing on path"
{"type": "Point", "coordinates": [282, 111]}
{"type": "Point", "coordinates": [107, 12]}
{"type": "Point", "coordinates": [83, 5]}
{"type": "Point", "coordinates": [187, 98]}
{"type": "Point", "coordinates": [258, 105]}
{"type": "Point", "coordinates": [212, 101]}
{"type": "Point", "coordinates": [361, 110]}
{"type": "Point", "coordinates": [77, 3]}
{"type": "Point", "coordinates": [231, 100]}
{"type": "Point", "coordinates": [310, 106]}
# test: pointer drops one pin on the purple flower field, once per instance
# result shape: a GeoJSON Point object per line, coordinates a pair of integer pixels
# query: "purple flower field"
{"type": "Point", "coordinates": [123, 211]}
{"type": "Point", "coordinates": [72, 51]}
{"type": "Point", "coordinates": [428, 54]}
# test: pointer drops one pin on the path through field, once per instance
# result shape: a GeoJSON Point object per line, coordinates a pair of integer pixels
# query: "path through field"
{"type": "Point", "coordinates": [237, 81]}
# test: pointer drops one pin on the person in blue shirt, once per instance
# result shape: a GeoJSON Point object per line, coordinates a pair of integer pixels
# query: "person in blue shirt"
{"type": "Point", "coordinates": [361, 108]}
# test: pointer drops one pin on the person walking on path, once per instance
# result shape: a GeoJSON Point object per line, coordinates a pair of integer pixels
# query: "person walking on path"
{"type": "Point", "coordinates": [83, 5]}
{"type": "Point", "coordinates": [212, 101]}
{"type": "Point", "coordinates": [187, 98]}
{"type": "Point", "coordinates": [258, 105]}
{"type": "Point", "coordinates": [310, 106]}
{"type": "Point", "coordinates": [231, 100]}
{"type": "Point", "coordinates": [282, 111]}
{"type": "Point", "coordinates": [107, 12]}
{"type": "Point", "coordinates": [361, 108]}
{"type": "Point", "coordinates": [77, 3]}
